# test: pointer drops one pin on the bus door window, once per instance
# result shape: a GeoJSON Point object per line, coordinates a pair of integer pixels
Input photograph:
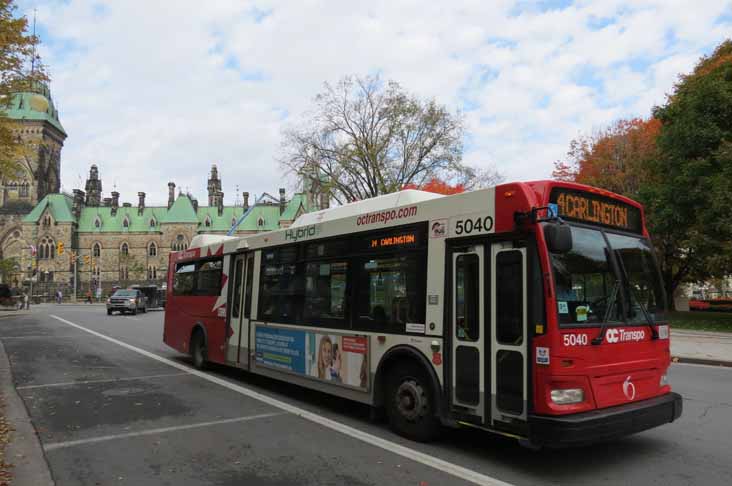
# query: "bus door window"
{"type": "Point", "coordinates": [236, 295]}
{"type": "Point", "coordinates": [248, 287]}
{"type": "Point", "coordinates": [510, 309]}
{"type": "Point", "coordinates": [467, 274]}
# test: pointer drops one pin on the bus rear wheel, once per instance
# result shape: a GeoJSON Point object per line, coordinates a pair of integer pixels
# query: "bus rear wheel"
{"type": "Point", "coordinates": [410, 405]}
{"type": "Point", "coordinates": [198, 350]}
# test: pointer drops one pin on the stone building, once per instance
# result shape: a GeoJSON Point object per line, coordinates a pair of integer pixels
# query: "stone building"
{"type": "Point", "coordinates": [120, 243]}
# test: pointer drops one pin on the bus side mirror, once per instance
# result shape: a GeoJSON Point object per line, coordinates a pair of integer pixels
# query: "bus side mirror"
{"type": "Point", "coordinates": [558, 237]}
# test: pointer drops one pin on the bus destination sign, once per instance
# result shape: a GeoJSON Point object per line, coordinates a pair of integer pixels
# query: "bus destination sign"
{"type": "Point", "coordinates": [401, 239]}
{"type": "Point", "coordinates": [594, 209]}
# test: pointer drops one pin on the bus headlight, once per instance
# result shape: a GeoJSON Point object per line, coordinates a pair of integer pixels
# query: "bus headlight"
{"type": "Point", "coordinates": [663, 381]}
{"type": "Point", "coordinates": [567, 396]}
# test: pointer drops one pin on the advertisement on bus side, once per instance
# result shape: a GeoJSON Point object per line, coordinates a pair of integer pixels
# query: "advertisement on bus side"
{"type": "Point", "coordinates": [335, 358]}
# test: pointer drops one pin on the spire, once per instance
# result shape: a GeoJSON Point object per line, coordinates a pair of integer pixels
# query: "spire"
{"type": "Point", "coordinates": [93, 187]}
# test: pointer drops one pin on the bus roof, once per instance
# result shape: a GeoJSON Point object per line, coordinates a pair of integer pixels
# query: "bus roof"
{"type": "Point", "coordinates": [379, 203]}
{"type": "Point", "coordinates": [207, 240]}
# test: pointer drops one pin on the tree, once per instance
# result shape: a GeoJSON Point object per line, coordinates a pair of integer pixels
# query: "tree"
{"type": "Point", "coordinates": [689, 205]}
{"type": "Point", "coordinates": [366, 137]}
{"type": "Point", "coordinates": [438, 186]}
{"type": "Point", "coordinates": [615, 158]}
{"type": "Point", "coordinates": [20, 70]}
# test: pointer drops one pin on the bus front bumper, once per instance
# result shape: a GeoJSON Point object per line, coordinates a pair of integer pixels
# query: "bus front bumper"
{"type": "Point", "coordinates": [604, 424]}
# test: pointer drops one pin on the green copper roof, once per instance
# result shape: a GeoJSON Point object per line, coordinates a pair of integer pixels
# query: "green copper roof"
{"type": "Point", "coordinates": [109, 223]}
{"type": "Point", "coordinates": [35, 105]}
{"type": "Point", "coordinates": [60, 205]}
{"type": "Point", "coordinates": [181, 211]}
{"type": "Point", "coordinates": [291, 211]}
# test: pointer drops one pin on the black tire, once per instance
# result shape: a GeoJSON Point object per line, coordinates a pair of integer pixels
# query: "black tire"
{"type": "Point", "coordinates": [109, 312]}
{"type": "Point", "coordinates": [410, 402]}
{"type": "Point", "coordinates": [198, 350]}
{"type": "Point", "coordinates": [144, 310]}
{"type": "Point", "coordinates": [134, 311]}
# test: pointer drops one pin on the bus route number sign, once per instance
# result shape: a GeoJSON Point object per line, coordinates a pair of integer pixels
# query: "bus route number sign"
{"type": "Point", "coordinates": [472, 224]}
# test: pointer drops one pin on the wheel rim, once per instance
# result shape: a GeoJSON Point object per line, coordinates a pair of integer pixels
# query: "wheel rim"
{"type": "Point", "coordinates": [411, 400]}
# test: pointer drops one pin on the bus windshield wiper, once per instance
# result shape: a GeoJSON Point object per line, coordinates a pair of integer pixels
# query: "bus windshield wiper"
{"type": "Point", "coordinates": [610, 304]}
{"type": "Point", "coordinates": [626, 279]}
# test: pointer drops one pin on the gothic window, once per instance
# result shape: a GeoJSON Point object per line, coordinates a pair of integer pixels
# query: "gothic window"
{"type": "Point", "coordinates": [23, 189]}
{"type": "Point", "coordinates": [207, 222]}
{"type": "Point", "coordinates": [233, 221]}
{"type": "Point", "coordinates": [47, 220]}
{"type": "Point", "coordinates": [260, 222]}
{"type": "Point", "coordinates": [152, 250]}
{"type": "Point", "coordinates": [98, 222]}
{"type": "Point", "coordinates": [152, 273]}
{"type": "Point", "coordinates": [152, 222]}
{"type": "Point", "coordinates": [179, 244]}
{"type": "Point", "coordinates": [46, 249]}
{"type": "Point", "coordinates": [126, 222]}
{"type": "Point", "coordinates": [97, 249]}
{"type": "Point", "coordinates": [124, 249]}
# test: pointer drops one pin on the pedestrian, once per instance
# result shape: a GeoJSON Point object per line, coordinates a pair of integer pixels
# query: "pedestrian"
{"type": "Point", "coordinates": [26, 301]}
{"type": "Point", "coordinates": [59, 296]}
{"type": "Point", "coordinates": [89, 296]}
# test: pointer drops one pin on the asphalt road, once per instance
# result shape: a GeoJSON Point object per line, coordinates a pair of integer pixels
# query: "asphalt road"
{"type": "Point", "coordinates": [107, 414]}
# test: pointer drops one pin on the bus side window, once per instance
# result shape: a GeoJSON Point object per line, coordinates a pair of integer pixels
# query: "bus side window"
{"type": "Point", "coordinates": [208, 281]}
{"type": "Point", "coordinates": [391, 292]}
{"type": "Point", "coordinates": [184, 279]}
{"type": "Point", "coordinates": [248, 287]}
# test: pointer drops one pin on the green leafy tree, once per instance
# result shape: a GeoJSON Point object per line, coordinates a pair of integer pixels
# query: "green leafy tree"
{"type": "Point", "coordinates": [20, 70]}
{"type": "Point", "coordinates": [689, 203]}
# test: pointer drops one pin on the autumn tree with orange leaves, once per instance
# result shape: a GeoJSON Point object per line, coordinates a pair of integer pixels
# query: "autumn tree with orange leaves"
{"type": "Point", "coordinates": [438, 186]}
{"type": "Point", "coordinates": [615, 158]}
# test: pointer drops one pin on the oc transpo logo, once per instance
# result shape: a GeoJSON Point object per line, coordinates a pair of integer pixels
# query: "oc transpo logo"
{"type": "Point", "coordinates": [629, 389]}
{"type": "Point", "coordinates": [621, 335]}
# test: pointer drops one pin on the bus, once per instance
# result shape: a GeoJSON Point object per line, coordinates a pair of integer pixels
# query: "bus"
{"type": "Point", "coordinates": [533, 310]}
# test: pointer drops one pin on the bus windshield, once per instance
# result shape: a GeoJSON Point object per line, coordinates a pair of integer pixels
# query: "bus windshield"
{"type": "Point", "coordinates": [592, 290]}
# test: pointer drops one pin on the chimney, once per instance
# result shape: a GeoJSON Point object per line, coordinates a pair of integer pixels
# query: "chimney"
{"type": "Point", "coordinates": [246, 200]}
{"type": "Point", "coordinates": [141, 203]}
{"type": "Point", "coordinates": [194, 201]}
{"type": "Point", "coordinates": [220, 202]}
{"type": "Point", "coordinates": [78, 202]}
{"type": "Point", "coordinates": [115, 202]}
{"type": "Point", "coordinates": [107, 202]}
{"type": "Point", "coordinates": [171, 193]}
{"type": "Point", "coordinates": [282, 200]}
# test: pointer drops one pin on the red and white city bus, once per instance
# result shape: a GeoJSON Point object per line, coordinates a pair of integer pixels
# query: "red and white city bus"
{"type": "Point", "coordinates": [533, 310]}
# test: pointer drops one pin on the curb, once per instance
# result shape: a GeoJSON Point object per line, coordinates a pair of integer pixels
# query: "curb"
{"type": "Point", "coordinates": [24, 450]}
{"type": "Point", "coordinates": [701, 361]}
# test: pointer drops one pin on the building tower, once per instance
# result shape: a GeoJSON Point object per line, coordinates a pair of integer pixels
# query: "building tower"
{"type": "Point", "coordinates": [93, 188]}
{"type": "Point", "coordinates": [214, 186]}
{"type": "Point", "coordinates": [36, 123]}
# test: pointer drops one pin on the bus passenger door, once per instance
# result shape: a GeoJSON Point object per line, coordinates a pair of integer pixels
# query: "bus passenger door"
{"type": "Point", "coordinates": [237, 349]}
{"type": "Point", "coordinates": [508, 334]}
{"type": "Point", "coordinates": [468, 331]}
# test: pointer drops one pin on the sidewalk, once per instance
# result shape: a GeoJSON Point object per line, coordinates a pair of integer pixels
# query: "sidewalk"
{"type": "Point", "coordinates": [714, 348]}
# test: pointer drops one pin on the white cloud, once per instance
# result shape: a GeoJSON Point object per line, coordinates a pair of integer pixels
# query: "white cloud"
{"type": "Point", "coordinates": [157, 91]}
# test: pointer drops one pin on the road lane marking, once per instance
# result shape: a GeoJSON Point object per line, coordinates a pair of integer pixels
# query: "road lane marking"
{"type": "Point", "coordinates": [104, 438]}
{"type": "Point", "coordinates": [108, 380]}
{"type": "Point", "coordinates": [404, 451]}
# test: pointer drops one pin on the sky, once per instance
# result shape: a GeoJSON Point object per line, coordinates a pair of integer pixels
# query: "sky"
{"type": "Point", "coordinates": [158, 91]}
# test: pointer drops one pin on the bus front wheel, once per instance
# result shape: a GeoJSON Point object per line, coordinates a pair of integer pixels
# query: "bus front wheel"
{"type": "Point", "coordinates": [198, 350]}
{"type": "Point", "coordinates": [410, 405]}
